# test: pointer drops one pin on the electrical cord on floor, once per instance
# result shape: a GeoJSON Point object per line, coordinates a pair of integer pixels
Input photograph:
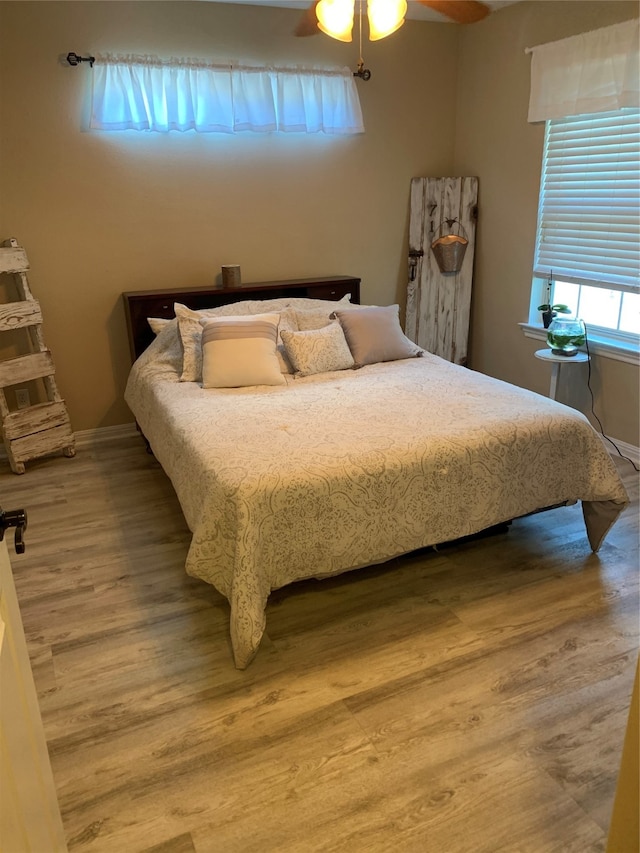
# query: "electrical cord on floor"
{"type": "Point", "coordinates": [593, 410]}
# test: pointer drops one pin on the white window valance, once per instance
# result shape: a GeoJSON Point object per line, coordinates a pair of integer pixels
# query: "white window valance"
{"type": "Point", "coordinates": [594, 72]}
{"type": "Point", "coordinates": [139, 93]}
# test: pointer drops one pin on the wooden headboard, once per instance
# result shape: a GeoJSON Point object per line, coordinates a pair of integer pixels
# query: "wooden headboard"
{"type": "Point", "coordinates": [140, 304]}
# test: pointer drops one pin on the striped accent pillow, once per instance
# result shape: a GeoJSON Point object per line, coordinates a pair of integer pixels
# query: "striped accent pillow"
{"type": "Point", "coordinates": [240, 351]}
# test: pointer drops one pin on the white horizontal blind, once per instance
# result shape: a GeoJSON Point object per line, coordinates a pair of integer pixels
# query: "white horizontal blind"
{"type": "Point", "coordinates": [588, 220]}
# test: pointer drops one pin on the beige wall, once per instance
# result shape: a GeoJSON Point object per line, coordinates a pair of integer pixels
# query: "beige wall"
{"type": "Point", "coordinates": [103, 213]}
{"type": "Point", "coordinates": [494, 141]}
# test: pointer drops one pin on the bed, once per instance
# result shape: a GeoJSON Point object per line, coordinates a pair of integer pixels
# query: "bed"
{"type": "Point", "coordinates": [334, 470]}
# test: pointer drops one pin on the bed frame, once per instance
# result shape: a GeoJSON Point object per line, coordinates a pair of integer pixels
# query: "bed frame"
{"type": "Point", "coordinates": [140, 304]}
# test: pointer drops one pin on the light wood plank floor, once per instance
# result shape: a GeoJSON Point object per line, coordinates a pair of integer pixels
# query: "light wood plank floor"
{"type": "Point", "coordinates": [466, 700]}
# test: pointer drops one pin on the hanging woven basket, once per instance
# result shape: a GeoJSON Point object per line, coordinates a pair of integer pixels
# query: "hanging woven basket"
{"type": "Point", "coordinates": [449, 249]}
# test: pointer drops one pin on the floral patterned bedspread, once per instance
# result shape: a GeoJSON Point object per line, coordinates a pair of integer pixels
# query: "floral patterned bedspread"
{"type": "Point", "coordinates": [345, 469]}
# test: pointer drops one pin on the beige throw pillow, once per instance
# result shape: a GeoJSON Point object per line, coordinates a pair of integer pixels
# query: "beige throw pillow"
{"type": "Point", "coordinates": [190, 327]}
{"type": "Point", "coordinates": [240, 351]}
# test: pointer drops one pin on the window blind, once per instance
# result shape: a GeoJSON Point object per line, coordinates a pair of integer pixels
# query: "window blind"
{"type": "Point", "coordinates": [588, 219]}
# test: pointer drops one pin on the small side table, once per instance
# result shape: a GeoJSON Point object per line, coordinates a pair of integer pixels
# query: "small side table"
{"type": "Point", "coordinates": [556, 361]}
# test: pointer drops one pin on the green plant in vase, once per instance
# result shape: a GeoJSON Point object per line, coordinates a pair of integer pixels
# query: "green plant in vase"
{"type": "Point", "coordinates": [551, 311]}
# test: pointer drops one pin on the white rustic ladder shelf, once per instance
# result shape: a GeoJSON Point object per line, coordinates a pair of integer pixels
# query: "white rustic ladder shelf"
{"type": "Point", "coordinates": [43, 428]}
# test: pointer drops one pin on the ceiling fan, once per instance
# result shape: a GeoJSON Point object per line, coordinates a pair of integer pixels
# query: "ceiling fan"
{"type": "Point", "coordinates": [335, 17]}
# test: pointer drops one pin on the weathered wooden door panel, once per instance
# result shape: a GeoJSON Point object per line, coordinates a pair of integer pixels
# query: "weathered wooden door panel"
{"type": "Point", "coordinates": [439, 304]}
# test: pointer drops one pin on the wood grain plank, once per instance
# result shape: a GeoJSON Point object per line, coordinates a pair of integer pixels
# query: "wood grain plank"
{"type": "Point", "coordinates": [13, 259]}
{"type": "Point", "coordinates": [17, 315]}
{"type": "Point", "coordinates": [42, 416]}
{"type": "Point", "coordinates": [25, 368]}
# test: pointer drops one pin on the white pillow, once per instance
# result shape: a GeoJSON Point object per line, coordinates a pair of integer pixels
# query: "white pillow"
{"type": "Point", "coordinates": [307, 303]}
{"type": "Point", "coordinates": [316, 313]}
{"type": "Point", "coordinates": [191, 336]}
{"type": "Point", "coordinates": [157, 324]}
{"type": "Point", "coordinates": [313, 319]}
{"type": "Point", "coordinates": [240, 351]}
{"type": "Point", "coordinates": [318, 350]}
{"type": "Point", "coordinates": [164, 350]}
{"type": "Point", "coordinates": [189, 325]}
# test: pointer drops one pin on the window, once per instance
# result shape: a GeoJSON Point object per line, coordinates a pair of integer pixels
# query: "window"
{"type": "Point", "coordinates": [588, 235]}
{"type": "Point", "coordinates": [587, 90]}
{"type": "Point", "coordinates": [599, 306]}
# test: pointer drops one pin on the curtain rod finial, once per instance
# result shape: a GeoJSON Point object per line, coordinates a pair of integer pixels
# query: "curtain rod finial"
{"type": "Point", "coordinates": [74, 59]}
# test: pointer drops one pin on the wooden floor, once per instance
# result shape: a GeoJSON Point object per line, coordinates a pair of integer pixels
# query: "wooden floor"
{"type": "Point", "coordinates": [466, 700]}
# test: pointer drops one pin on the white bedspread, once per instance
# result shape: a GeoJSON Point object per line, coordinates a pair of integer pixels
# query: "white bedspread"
{"type": "Point", "coordinates": [346, 469]}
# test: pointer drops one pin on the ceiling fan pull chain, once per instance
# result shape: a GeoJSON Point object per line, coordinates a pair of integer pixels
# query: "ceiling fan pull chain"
{"type": "Point", "coordinates": [362, 72]}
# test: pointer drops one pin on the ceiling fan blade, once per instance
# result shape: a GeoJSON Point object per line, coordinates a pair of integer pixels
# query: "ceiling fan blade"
{"type": "Point", "coordinates": [308, 23]}
{"type": "Point", "coordinates": [460, 11]}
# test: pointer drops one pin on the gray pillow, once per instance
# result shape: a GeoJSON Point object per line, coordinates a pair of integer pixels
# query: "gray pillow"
{"type": "Point", "coordinates": [374, 334]}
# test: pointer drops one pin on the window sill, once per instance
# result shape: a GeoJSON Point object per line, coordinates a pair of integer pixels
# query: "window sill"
{"type": "Point", "coordinates": [599, 344]}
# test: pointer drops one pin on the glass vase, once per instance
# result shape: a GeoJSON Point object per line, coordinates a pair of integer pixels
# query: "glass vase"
{"type": "Point", "coordinates": [566, 335]}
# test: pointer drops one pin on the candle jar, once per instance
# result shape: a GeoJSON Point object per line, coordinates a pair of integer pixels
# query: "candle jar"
{"type": "Point", "coordinates": [231, 275]}
{"type": "Point", "coordinates": [566, 335]}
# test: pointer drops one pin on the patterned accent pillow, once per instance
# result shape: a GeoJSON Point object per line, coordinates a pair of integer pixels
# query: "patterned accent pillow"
{"type": "Point", "coordinates": [157, 324]}
{"type": "Point", "coordinates": [318, 350]}
{"type": "Point", "coordinates": [240, 351]}
{"type": "Point", "coordinates": [189, 325]}
{"type": "Point", "coordinates": [374, 335]}
{"type": "Point", "coordinates": [319, 315]}
{"type": "Point", "coordinates": [307, 303]}
{"type": "Point", "coordinates": [164, 350]}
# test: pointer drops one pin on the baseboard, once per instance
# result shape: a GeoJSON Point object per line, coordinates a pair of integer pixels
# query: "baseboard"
{"type": "Point", "coordinates": [86, 438]}
{"type": "Point", "coordinates": [89, 437]}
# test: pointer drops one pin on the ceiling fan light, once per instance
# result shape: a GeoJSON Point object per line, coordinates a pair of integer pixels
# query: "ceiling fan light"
{"type": "Point", "coordinates": [385, 17]}
{"type": "Point", "coordinates": [335, 18]}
